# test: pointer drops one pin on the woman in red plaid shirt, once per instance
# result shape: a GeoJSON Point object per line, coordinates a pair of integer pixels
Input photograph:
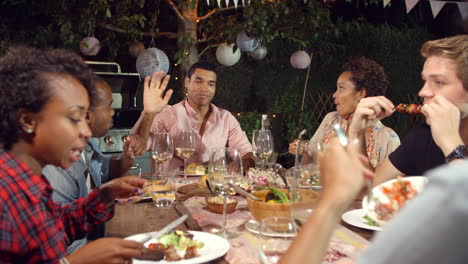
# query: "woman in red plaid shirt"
{"type": "Point", "coordinates": [44, 98]}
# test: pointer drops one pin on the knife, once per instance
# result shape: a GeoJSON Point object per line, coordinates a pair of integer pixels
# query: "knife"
{"type": "Point", "coordinates": [243, 192]}
{"type": "Point", "coordinates": [163, 231]}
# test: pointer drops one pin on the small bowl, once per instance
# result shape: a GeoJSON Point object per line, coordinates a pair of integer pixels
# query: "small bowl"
{"type": "Point", "coordinates": [260, 209]}
{"type": "Point", "coordinates": [218, 207]}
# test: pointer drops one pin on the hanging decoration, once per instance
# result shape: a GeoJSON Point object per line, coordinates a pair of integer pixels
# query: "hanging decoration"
{"type": "Point", "coordinates": [436, 6]}
{"type": "Point", "coordinates": [227, 2]}
{"type": "Point", "coordinates": [235, 3]}
{"type": "Point", "coordinates": [226, 56]}
{"type": "Point", "coordinates": [135, 48]}
{"type": "Point", "coordinates": [300, 60]}
{"type": "Point", "coordinates": [259, 53]}
{"type": "Point", "coordinates": [246, 43]}
{"type": "Point", "coordinates": [151, 60]}
{"type": "Point", "coordinates": [90, 46]}
{"type": "Point", "coordinates": [219, 3]}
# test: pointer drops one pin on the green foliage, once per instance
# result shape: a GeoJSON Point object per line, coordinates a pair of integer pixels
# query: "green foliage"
{"type": "Point", "coordinates": [249, 122]}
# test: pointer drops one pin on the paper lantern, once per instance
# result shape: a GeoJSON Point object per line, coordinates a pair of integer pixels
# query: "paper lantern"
{"type": "Point", "coordinates": [300, 59]}
{"type": "Point", "coordinates": [135, 48]}
{"type": "Point", "coordinates": [246, 43]}
{"type": "Point", "coordinates": [151, 60]}
{"type": "Point", "coordinates": [90, 46]}
{"type": "Point", "coordinates": [259, 53]}
{"type": "Point", "coordinates": [226, 56]}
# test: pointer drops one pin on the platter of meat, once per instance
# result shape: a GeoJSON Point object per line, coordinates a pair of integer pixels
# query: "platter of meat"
{"type": "Point", "coordinates": [182, 247]}
{"type": "Point", "coordinates": [409, 108]}
{"type": "Point", "coordinates": [391, 196]}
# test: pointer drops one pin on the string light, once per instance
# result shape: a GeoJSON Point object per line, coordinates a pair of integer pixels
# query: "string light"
{"type": "Point", "coordinates": [177, 78]}
{"type": "Point", "coordinates": [238, 114]}
{"type": "Point", "coordinates": [198, 20]}
{"type": "Point", "coordinates": [274, 116]}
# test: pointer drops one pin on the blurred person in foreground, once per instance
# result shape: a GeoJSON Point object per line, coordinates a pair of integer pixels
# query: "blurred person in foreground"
{"type": "Point", "coordinates": [214, 127]}
{"type": "Point", "coordinates": [361, 78]}
{"type": "Point", "coordinates": [44, 99]}
{"type": "Point", "coordinates": [408, 238]}
{"type": "Point", "coordinates": [94, 168]}
{"type": "Point", "coordinates": [443, 136]}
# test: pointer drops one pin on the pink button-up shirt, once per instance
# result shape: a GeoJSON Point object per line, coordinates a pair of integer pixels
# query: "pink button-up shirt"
{"type": "Point", "coordinates": [221, 130]}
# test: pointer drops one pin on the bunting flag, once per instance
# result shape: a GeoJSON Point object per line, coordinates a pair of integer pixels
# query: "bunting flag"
{"type": "Point", "coordinates": [219, 3]}
{"type": "Point", "coordinates": [227, 2]}
{"type": "Point", "coordinates": [436, 6]}
{"type": "Point", "coordinates": [243, 2]}
{"type": "Point", "coordinates": [386, 2]}
{"type": "Point", "coordinates": [463, 7]}
{"type": "Point", "coordinates": [235, 3]}
{"type": "Point", "coordinates": [208, 2]}
{"type": "Point", "coordinates": [410, 4]}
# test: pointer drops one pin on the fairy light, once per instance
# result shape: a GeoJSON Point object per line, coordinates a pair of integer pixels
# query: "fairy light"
{"type": "Point", "coordinates": [177, 78]}
{"type": "Point", "coordinates": [238, 114]}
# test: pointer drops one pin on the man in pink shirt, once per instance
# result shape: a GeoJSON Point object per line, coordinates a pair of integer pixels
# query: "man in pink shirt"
{"type": "Point", "coordinates": [215, 127]}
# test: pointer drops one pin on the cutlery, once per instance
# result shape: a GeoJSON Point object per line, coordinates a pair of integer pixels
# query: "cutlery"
{"type": "Point", "coordinates": [163, 231]}
{"type": "Point", "coordinates": [243, 192]}
{"type": "Point", "coordinates": [280, 171]}
{"type": "Point", "coordinates": [344, 142]}
{"type": "Point", "coordinates": [209, 187]}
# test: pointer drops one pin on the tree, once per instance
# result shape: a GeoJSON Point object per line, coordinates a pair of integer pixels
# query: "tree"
{"type": "Point", "coordinates": [200, 25]}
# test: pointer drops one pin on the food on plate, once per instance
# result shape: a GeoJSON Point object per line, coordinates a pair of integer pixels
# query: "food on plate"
{"type": "Point", "coordinates": [262, 177]}
{"type": "Point", "coordinates": [409, 108]}
{"type": "Point", "coordinates": [196, 168]}
{"type": "Point", "coordinates": [191, 252]}
{"type": "Point", "coordinates": [169, 245]}
{"type": "Point", "coordinates": [152, 254]}
{"type": "Point", "coordinates": [370, 221]}
{"type": "Point", "coordinates": [219, 200]}
{"type": "Point", "coordinates": [399, 192]}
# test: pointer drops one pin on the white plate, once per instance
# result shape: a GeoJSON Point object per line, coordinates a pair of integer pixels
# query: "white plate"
{"type": "Point", "coordinates": [215, 247]}
{"type": "Point", "coordinates": [417, 182]}
{"type": "Point", "coordinates": [355, 218]}
{"type": "Point", "coordinates": [254, 227]}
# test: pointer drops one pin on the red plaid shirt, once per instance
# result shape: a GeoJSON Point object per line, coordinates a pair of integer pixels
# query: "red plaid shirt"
{"type": "Point", "coordinates": [34, 229]}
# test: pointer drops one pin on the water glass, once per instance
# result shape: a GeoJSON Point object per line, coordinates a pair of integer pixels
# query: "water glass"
{"type": "Point", "coordinates": [302, 202]}
{"type": "Point", "coordinates": [135, 169]}
{"type": "Point", "coordinates": [162, 193]}
{"type": "Point", "coordinates": [276, 235]}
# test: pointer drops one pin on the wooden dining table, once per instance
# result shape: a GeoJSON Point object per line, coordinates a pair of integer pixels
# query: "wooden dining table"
{"type": "Point", "coordinates": [142, 217]}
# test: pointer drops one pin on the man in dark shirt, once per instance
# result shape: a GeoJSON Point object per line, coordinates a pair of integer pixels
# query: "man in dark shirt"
{"type": "Point", "coordinates": [445, 93]}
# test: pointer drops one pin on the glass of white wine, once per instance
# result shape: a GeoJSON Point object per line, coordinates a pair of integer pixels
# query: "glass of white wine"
{"type": "Point", "coordinates": [262, 144]}
{"type": "Point", "coordinates": [225, 167]}
{"type": "Point", "coordinates": [185, 147]}
{"type": "Point", "coordinates": [162, 150]}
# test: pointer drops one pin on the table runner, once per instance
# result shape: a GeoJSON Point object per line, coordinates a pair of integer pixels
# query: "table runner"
{"type": "Point", "coordinates": [344, 247]}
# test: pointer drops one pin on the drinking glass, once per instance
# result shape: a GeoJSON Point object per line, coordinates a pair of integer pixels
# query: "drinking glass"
{"type": "Point", "coordinates": [185, 147]}
{"type": "Point", "coordinates": [262, 144]}
{"type": "Point", "coordinates": [301, 196]}
{"type": "Point", "coordinates": [162, 193]}
{"type": "Point", "coordinates": [162, 150]}
{"type": "Point", "coordinates": [225, 167]}
{"type": "Point", "coordinates": [135, 169]}
{"type": "Point", "coordinates": [276, 235]}
{"type": "Point", "coordinates": [306, 161]}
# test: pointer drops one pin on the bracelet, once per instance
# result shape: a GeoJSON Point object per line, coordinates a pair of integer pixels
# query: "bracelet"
{"type": "Point", "coordinates": [457, 153]}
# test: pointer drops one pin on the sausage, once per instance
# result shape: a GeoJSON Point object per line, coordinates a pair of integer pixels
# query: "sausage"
{"type": "Point", "coordinates": [409, 108]}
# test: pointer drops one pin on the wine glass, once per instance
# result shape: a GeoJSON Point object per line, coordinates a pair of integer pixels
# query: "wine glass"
{"type": "Point", "coordinates": [262, 144]}
{"type": "Point", "coordinates": [185, 147]}
{"type": "Point", "coordinates": [162, 150]}
{"type": "Point", "coordinates": [302, 202]}
{"type": "Point", "coordinates": [276, 235]}
{"type": "Point", "coordinates": [225, 167]}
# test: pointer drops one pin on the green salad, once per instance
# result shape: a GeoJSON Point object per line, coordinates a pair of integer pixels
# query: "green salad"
{"type": "Point", "coordinates": [180, 240]}
{"type": "Point", "coordinates": [370, 221]}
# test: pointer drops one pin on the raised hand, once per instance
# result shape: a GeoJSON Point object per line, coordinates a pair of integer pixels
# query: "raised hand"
{"type": "Point", "coordinates": [154, 87]}
{"type": "Point", "coordinates": [106, 250]}
{"type": "Point", "coordinates": [347, 179]}
{"type": "Point", "coordinates": [293, 146]}
{"type": "Point", "coordinates": [134, 146]}
{"type": "Point", "coordinates": [444, 119]}
{"type": "Point", "coordinates": [368, 111]}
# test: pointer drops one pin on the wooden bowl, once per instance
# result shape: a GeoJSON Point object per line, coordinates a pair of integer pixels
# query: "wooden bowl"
{"type": "Point", "coordinates": [218, 207]}
{"type": "Point", "coordinates": [261, 210]}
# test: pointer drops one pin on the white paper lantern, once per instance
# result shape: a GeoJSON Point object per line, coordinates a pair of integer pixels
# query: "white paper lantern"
{"type": "Point", "coordinates": [259, 53]}
{"type": "Point", "coordinates": [300, 59]}
{"type": "Point", "coordinates": [151, 60]}
{"type": "Point", "coordinates": [246, 43]}
{"type": "Point", "coordinates": [226, 56]}
{"type": "Point", "coordinates": [135, 48]}
{"type": "Point", "coordinates": [90, 46]}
